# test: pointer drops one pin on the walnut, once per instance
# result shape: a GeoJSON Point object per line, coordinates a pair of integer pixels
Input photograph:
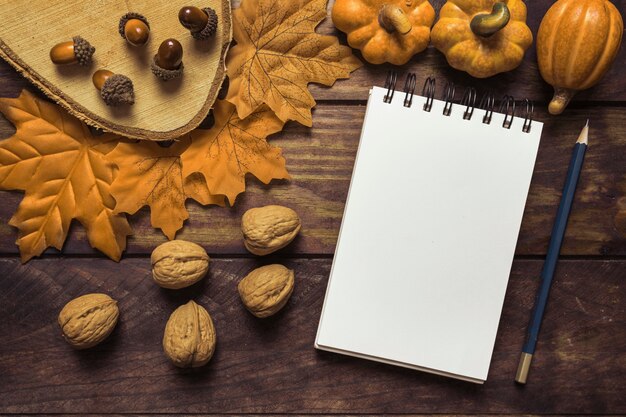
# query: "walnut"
{"type": "Point", "coordinates": [189, 338]}
{"type": "Point", "coordinates": [88, 320]}
{"type": "Point", "coordinates": [266, 290]}
{"type": "Point", "coordinates": [268, 229]}
{"type": "Point", "coordinates": [179, 264]}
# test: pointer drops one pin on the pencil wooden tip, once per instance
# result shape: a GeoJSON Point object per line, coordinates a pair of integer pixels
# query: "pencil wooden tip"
{"type": "Point", "coordinates": [584, 135]}
{"type": "Point", "coordinates": [523, 368]}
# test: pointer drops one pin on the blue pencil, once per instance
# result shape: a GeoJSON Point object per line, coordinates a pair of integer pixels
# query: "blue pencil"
{"type": "Point", "coordinates": [558, 231]}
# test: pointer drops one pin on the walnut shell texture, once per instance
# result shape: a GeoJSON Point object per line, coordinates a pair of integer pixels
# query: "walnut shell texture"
{"type": "Point", "coordinates": [268, 229]}
{"type": "Point", "coordinates": [88, 320]}
{"type": "Point", "coordinates": [266, 290]}
{"type": "Point", "coordinates": [179, 264]}
{"type": "Point", "coordinates": [189, 339]}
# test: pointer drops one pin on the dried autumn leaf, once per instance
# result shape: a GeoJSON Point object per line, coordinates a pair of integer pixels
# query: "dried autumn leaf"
{"type": "Point", "coordinates": [232, 148]}
{"type": "Point", "coordinates": [278, 53]}
{"type": "Point", "coordinates": [62, 167]}
{"type": "Point", "coordinates": [150, 175]}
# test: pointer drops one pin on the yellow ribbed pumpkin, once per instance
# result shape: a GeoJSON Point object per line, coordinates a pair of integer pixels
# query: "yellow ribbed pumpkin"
{"type": "Point", "coordinates": [576, 44]}
{"type": "Point", "coordinates": [385, 30]}
{"type": "Point", "coordinates": [483, 37]}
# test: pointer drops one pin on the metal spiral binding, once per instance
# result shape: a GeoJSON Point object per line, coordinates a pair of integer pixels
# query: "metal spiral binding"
{"type": "Point", "coordinates": [469, 100]}
{"type": "Point", "coordinates": [507, 106]}
{"type": "Point", "coordinates": [390, 85]}
{"type": "Point", "coordinates": [409, 89]}
{"type": "Point", "coordinates": [429, 92]}
{"type": "Point", "coordinates": [486, 103]}
{"type": "Point", "coordinates": [528, 119]}
{"type": "Point", "coordinates": [470, 96]}
{"type": "Point", "coordinates": [448, 97]}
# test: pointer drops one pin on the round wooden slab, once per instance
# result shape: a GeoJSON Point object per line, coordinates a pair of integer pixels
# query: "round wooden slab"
{"type": "Point", "coordinates": [162, 110]}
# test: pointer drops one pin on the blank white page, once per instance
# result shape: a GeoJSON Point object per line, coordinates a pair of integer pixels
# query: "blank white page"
{"type": "Point", "coordinates": [428, 237]}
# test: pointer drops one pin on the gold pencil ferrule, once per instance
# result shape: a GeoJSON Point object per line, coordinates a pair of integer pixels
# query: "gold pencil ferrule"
{"type": "Point", "coordinates": [522, 369]}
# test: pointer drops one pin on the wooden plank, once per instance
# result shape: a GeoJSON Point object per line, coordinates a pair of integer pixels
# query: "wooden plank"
{"type": "Point", "coordinates": [524, 82]}
{"type": "Point", "coordinates": [270, 366]}
{"type": "Point", "coordinates": [309, 414]}
{"type": "Point", "coordinates": [321, 160]}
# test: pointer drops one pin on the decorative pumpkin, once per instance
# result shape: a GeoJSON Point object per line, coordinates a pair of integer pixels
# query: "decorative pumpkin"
{"type": "Point", "coordinates": [483, 37]}
{"type": "Point", "coordinates": [576, 44]}
{"type": "Point", "coordinates": [385, 30]}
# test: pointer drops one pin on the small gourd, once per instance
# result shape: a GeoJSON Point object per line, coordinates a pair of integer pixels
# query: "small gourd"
{"type": "Point", "coordinates": [576, 45]}
{"type": "Point", "coordinates": [385, 30]}
{"type": "Point", "coordinates": [483, 38]}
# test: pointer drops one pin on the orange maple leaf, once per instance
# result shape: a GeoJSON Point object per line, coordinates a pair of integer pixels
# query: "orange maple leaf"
{"type": "Point", "coordinates": [151, 175]}
{"type": "Point", "coordinates": [62, 168]}
{"type": "Point", "coordinates": [232, 148]}
{"type": "Point", "coordinates": [278, 53]}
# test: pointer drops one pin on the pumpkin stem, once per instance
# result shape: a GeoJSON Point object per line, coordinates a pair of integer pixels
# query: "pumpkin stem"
{"type": "Point", "coordinates": [393, 18]}
{"type": "Point", "coordinates": [562, 97]}
{"type": "Point", "coordinates": [487, 24]}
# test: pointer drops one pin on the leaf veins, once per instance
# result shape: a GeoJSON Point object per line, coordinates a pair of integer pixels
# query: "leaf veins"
{"type": "Point", "coordinates": [62, 168]}
{"type": "Point", "coordinates": [234, 147]}
{"type": "Point", "coordinates": [278, 53]}
{"type": "Point", "coordinates": [151, 175]}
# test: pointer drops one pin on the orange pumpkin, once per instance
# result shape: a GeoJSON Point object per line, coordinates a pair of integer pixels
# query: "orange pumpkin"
{"type": "Point", "coordinates": [483, 37]}
{"type": "Point", "coordinates": [576, 44]}
{"type": "Point", "coordinates": [385, 30]}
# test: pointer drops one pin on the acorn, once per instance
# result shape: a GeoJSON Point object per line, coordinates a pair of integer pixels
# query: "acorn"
{"type": "Point", "coordinates": [202, 23]}
{"type": "Point", "coordinates": [78, 50]}
{"type": "Point", "coordinates": [135, 28]}
{"type": "Point", "coordinates": [115, 89]}
{"type": "Point", "coordinates": [168, 62]}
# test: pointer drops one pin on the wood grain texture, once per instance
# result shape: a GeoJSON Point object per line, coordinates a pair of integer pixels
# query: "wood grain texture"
{"type": "Point", "coordinates": [270, 366]}
{"type": "Point", "coordinates": [321, 160]}
{"type": "Point", "coordinates": [524, 82]}
{"type": "Point", "coordinates": [162, 110]}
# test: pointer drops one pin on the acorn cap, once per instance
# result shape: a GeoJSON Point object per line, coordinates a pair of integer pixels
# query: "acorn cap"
{"type": "Point", "coordinates": [163, 73]}
{"type": "Point", "coordinates": [83, 50]}
{"type": "Point", "coordinates": [210, 28]}
{"type": "Point", "coordinates": [118, 90]}
{"type": "Point", "coordinates": [126, 18]}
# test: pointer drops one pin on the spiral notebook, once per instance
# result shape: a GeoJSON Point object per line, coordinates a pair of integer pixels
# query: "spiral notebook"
{"type": "Point", "coordinates": [429, 229]}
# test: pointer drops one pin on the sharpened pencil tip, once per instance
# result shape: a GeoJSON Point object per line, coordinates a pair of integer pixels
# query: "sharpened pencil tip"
{"type": "Point", "coordinates": [584, 135]}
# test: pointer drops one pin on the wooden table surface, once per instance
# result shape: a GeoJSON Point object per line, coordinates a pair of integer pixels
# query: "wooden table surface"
{"type": "Point", "coordinates": [270, 366]}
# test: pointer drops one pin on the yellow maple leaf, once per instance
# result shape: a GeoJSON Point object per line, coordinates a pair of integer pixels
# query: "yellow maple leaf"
{"type": "Point", "coordinates": [232, 148]}
{"type": "Point", "coordinates": [150, 175]}
{"type": "Point", "coordinates": [62, 168]}
{"type": "Point", "coordinates": [278, 53]}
